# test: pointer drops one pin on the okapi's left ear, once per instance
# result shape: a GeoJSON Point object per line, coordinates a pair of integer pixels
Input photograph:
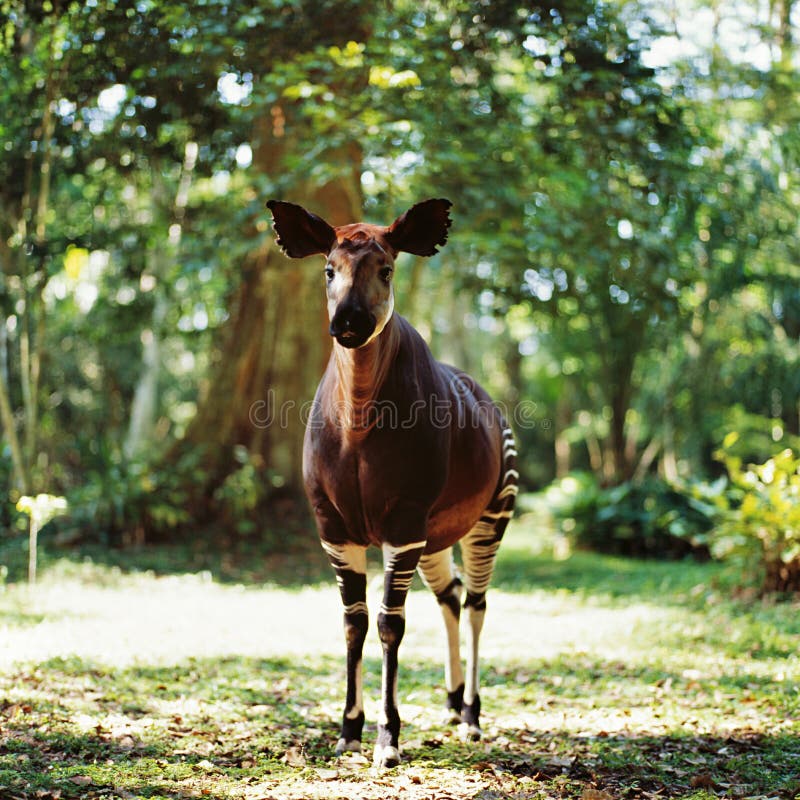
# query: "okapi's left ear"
{"type": "Point", "coordinates": [422, 228]}
{"type": "Point", "coordinates": [300, 233]}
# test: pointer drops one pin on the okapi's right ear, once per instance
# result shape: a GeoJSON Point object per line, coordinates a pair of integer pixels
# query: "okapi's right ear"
{"type": "Point", "coordinates": [422, 228]}
{"type": "Point", "coordinates": [300, 233]}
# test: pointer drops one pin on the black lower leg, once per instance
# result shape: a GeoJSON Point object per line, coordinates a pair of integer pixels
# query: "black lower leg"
{"type": "Point", "coordinates": [349, 563]}
{"type": "Point", "coordinates": [355, 626]}
{"type": "Point", "coordinates": [455, 700]}
{"type": "Point", "coordinates": [471, 712]}
{"type": "Point", "coordinates": [391, 628]}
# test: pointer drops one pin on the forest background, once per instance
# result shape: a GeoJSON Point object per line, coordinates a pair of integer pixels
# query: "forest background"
{"type": "Point", "coordinates": [622, 271]}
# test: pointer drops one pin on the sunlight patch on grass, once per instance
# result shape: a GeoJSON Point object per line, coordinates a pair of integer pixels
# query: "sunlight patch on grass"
{"type": "Point", "coordinates": [168, 619]}
{"type": "Point", "coordinates": [183, 686]}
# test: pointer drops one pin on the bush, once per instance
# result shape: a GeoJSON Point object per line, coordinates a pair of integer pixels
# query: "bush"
{"type": "Point", "coordinates": [116, 505]}
{"type": "Point", "coordinates": [647, 519]}
{"type": "Point", "coordinates": [761, 529]}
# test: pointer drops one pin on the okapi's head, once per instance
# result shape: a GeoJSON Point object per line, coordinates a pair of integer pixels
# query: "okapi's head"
{"type": "Point", "coordinates": [360, 260]}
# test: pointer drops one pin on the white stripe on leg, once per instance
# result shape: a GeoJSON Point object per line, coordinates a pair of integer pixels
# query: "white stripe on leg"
{"type": "Point", "coordinates": [475, 619]}
{"type": "Point", "coordinates": [439, 573]}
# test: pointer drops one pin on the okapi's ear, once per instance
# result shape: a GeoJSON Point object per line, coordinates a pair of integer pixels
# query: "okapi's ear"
{"type": "Point", "coordinates": [422, 228]}
{"type": "Point", "coordinates": [300, 233]}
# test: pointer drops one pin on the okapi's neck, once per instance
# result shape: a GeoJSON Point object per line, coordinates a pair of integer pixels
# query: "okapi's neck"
{"type": "Point", "coordinates": [359, 375]}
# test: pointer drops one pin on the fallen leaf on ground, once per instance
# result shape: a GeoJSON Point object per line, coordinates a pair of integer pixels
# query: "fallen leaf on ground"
{"type": "Point", "coordinates": [595, 794]}
{"type": "Point", "coordinates": [353, 760]}
{"type": "Point", "coordinates": [81, 780]}
{"type": "Point", "coordinates": [560, 761]}
{"type": "Point", "coordinates": [294, 757]}
{"type": "Point", "coordinates": [327, 774]}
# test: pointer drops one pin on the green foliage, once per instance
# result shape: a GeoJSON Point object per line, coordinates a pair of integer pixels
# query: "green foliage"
{"type": "Point", "coordinates": [651, 518]}
{"type": "Point", "coordinates": [12, 521]}
{"type": "Point", "coordinates": [243, 492]}
{"type": "Point", "coordinates": [754, 437]}
{"type": "Point", "coordinates": [761, 530]}
{"type": "Point", "coordinates": [623, 256]}
{"type": "Point", "coordinates": [116, 504]}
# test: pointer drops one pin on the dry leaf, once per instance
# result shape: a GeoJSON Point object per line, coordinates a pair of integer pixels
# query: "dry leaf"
{"type": "Point", "coordinates": [81, 780]}
{"type": "Point", "coordinates": [702, 781]}
{"type": "Point", "coordinates": [260, 791]}
{"type": "Point", "coordinates": [352, 759]}
{"type": "Point", "coordinates": [327, 774]}
{"type": "Point", "coordinates": [294, 757]}
{"type": "Point", "coordinates": [595, 794]}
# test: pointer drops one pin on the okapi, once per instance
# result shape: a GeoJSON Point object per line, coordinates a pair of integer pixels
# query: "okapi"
{"type": "Point", "coordinates": [401, 452]}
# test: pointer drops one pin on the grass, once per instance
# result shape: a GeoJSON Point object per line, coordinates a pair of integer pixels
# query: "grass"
{"type": "Point", "coordinates": [168, 674]}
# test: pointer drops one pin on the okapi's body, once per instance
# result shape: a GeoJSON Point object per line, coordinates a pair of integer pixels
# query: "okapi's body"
{"type": "Point", "coordinates": [401, 452]}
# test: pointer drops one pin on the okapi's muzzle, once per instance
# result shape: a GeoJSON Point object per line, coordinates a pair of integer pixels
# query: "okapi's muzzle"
{"type": "Point", "coordinates": [352, 325]}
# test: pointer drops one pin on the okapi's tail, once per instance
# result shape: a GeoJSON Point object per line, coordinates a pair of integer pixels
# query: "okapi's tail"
{"type": "Point", "coordinates": [501, 509]}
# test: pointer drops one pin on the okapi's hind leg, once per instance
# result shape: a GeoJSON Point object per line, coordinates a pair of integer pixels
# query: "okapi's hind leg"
{"type": "Point", "coordinates": [350, 564]}
{"type": "Point", "coordinates": [440, 575]}
{"type": "Point", "coordinates": [478, 552]}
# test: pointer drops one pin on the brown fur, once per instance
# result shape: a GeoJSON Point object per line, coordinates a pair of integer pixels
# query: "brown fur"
{"type": "Point", "coordinates": [399, 447]}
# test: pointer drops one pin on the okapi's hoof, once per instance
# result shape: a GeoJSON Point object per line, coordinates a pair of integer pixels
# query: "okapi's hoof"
{"type": "Point", "coordinates": [469, 732]}
{"type": "Point", "coordinates": [386, 756]}
{"type": "Point", "coordinates": [348, 746]}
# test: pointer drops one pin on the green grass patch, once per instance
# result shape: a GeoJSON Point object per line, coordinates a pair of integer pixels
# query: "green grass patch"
{"type": "Point", "coordinates": [136, 675]}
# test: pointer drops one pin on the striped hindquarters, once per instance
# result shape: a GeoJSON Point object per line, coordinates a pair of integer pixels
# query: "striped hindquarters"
{"type": "Point", "coordinates": [479, 547]}
{"type": "Point", "coordinates": [501, 509]}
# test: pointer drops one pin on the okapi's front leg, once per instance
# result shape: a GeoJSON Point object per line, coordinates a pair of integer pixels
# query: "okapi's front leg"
{"type": "Point", "coordinates": [350, 563]}
{"type": "Point", "coordinates": [399, 565]}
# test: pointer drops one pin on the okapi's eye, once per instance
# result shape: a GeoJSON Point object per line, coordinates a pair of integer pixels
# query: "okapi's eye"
{"type": "Point", "coordinates": [386, 274]}
{"type": "Point", "coordinates": [329, 273]}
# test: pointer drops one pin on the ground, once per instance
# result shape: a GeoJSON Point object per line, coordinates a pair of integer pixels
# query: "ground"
{"type": "Point", "coordinates": [603, 679]}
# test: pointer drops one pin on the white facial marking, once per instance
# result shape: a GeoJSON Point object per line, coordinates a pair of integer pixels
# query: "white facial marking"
{"type": "Point", "coordinates": [386, 310]}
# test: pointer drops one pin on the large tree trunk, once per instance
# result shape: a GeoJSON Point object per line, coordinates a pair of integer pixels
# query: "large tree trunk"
{"type": "Point", "coordinates": [272, 350]}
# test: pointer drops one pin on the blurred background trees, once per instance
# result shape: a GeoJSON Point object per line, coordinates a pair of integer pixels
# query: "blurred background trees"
{"type": "Point", "coordinates": [622, 271]}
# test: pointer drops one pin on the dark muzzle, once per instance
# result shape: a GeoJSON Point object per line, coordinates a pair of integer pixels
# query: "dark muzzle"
{"type": "Point", "coordinates": [351, 326]}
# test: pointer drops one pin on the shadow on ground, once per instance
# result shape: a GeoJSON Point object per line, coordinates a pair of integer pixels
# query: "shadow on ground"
{"type": "Point", "coordinates": [214, 727]}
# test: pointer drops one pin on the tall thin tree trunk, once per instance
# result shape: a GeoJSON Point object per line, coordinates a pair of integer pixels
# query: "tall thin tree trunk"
{"type": "Point", "coordinates": [620, 403]}
{"type": "Point", "coordinates": [563, 449]}
{"type": "Point", "coordinates": [9, 426]}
